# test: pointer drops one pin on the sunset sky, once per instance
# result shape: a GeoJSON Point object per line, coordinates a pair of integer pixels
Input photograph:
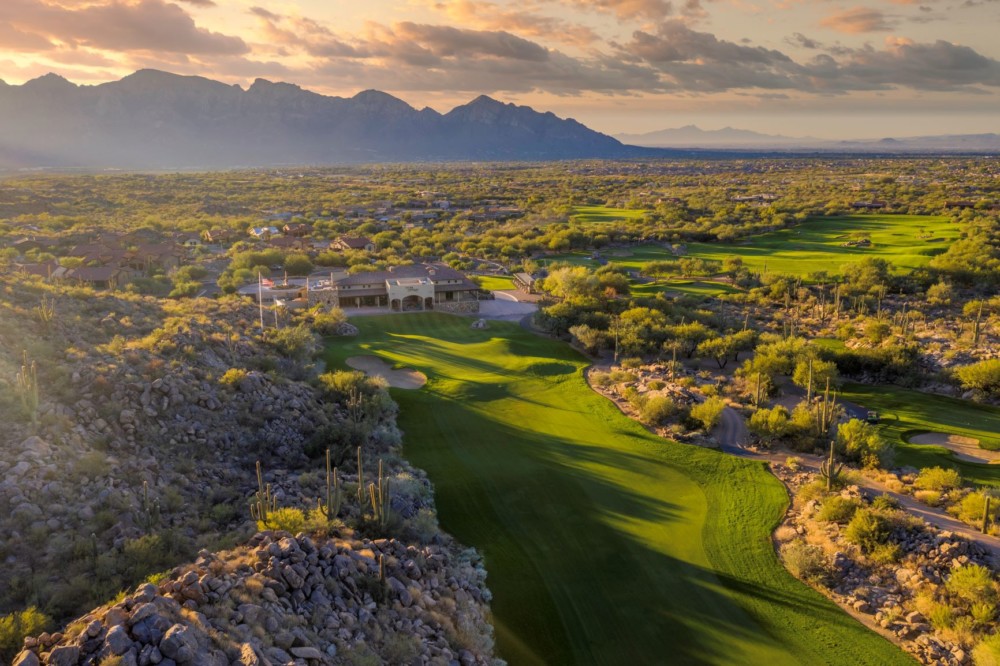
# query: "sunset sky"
{"type": "Point", "coordinates": [796, 67]}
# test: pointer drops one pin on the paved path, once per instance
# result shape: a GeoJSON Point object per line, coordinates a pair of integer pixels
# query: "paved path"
{"type": "Point", "coordinates": [732, 435]}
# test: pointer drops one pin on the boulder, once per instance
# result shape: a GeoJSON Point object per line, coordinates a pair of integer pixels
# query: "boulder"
{"type": "Point", "coordinates": [66, 655]}
{"type": "Point", "coordinates": [26, 658]}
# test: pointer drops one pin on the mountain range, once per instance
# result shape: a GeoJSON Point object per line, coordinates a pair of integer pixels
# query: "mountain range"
{"type": "Point", "coordinates": [154, 119]}
{"type": "Point", "coordinates": [692, 137]}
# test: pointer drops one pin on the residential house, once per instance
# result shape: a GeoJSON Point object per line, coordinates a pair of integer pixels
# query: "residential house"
{"type": "Point", "coordinates": [345, 243]}
{"type": "Point", "coordinates": [218, 236]}
{"type": "Point", "coordinates": [99, 277]}
{"type": "Point", "coordinates": [298, 230]}
{"type": "Point", "coordinates": [288, 243]}
{"type": "Point", "coordinates": [264, 232]}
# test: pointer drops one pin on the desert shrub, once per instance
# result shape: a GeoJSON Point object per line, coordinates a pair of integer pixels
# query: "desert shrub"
{"type": "Point", "coordinates": [838, 509]}
{"type": "Point", "coordinates": [886, 553]}
{"type": "Point", "coordinates": [14, 628]}
{"type": "Point", "coordinates": [287, 519]}
{"type": "Point", "coordinates": [621, 377]}
{"type": "Point", "coordinates": [885, 503]}
{"type": "Point", "coordinates": [329, 323]}
{"type": "Point", "coordinates": [928, 497]}
{"type": "Point", "coordinates": [153, 552]}
{"type": "Point", "coordinates": [815, 489]}
{"type": "Point", "coordinates": [632, 363]}
{"type": "Point", "coordinates": [793, 463]}
{"type": "Point", "coordinates": [972, 583]}
{"type": "Point", "coordinates": [941, 616]}
{"type": "Point", "coordinates": [657, 409]}
{"type": "Point", "coordinates": [770, 424]}
{"type": "Point", "coordinates": [400, 648]}
{"type": "Point", "coordinates": [982, 376]}
{"type": "Point", "coordinates": [342, 383]}
{"type": "Point", "coordinates": [971, 507]}
{"type": "Point", "coordinates": [987, 653]}
{"type": "Point", "coordinates": [938, 478]}
{"type": "Point", "coordinates": [868, 530]}
{"type": "Point", "coordinates": [804, 560]}
{"type": "Point", "coordinates": [983, 613]}
{"type": "Point", "coordinates": [297, 342]}
{"type": "Point", "coordinates": [656, 385]}
{"type": "Point", "coordinates": [233, 376]}
{"type": "Point", "coordinates": [860, 442]}
{"type": "Point", "coordinates": [709, 412]}
{"type": "Point", "coordinates": [600, 379]}
{"type": "Point", "coordinates": [92, 465]}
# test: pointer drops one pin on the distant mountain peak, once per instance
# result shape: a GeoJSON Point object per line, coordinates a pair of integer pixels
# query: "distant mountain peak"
{"type": "Point", "coordinates": [50, 81]}
{"type": "Point", "coordinates": [486, 100]}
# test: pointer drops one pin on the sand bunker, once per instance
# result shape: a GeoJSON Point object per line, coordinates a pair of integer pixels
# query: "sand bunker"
{"type": "Point", "coordinates": [965, 448]}
{"type": "Point", "coordinates": [373, 366]}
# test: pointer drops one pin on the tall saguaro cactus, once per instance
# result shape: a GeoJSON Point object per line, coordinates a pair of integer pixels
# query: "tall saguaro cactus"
{"type": "Point", "coordinates": [379, 497]}
{"type": "Point", "coordinates": [333, 497]}
{"type": "Point", "coordinates": [263, 502]}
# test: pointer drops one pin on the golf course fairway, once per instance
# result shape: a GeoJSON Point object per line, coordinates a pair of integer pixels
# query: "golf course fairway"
{"type": "Point", "coordinates": [604, 544]}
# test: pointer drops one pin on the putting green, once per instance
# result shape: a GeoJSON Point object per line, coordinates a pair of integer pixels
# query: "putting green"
{"type": "Point", "coordinates": [604, 544]}
{"type": "Point", "coordinates": [818, 244]}
{"type": "Point", "coordinates": [496, 282]}
{"type": "Point", "coordinates": [904, 413]}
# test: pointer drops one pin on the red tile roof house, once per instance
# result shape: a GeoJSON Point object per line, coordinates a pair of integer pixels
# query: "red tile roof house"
{"type": "Point", "coordinates": [100, 277]}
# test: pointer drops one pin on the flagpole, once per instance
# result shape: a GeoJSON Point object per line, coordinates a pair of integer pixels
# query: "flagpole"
{"type": "Point", "coordinates": [260, 301]}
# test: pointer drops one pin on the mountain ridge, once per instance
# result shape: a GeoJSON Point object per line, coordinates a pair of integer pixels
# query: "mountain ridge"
{"type": "Point", "coordinates": [729, 138]}
{"type": "Point", "coordinates": [157, 119]}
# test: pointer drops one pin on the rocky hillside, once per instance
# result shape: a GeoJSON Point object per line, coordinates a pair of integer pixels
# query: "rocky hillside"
{"type": "Point", "coordinates": [141, 448]}
{"type": "Point", "coordinates": [291, 600]}
{"type": "Point", "coordinates": [156, 119]}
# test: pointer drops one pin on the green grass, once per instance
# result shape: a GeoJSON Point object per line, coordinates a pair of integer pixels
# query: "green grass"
{"type": "Point", "coordinates": [688, 287]}
{"type": "Point", "coordinates": [592, 214]}
{"type": "Point", "coordinates": [604, 544]}
{"type": "Point", "coordinates": [495, 282]}
{"type": "Point", "coordinates": [906, 241]}
{"type": "Point", "coordinates": [904, 413]}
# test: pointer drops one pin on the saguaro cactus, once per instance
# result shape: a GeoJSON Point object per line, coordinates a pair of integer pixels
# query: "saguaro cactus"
{"type": "Point", "coordinates": [333, 497]}
{"type": "Point", "coordinates": [379, 498]}
{"type": "Point", "coordinates": [830, 470]}
{"type": "Point", "coordinates": [263, 502]}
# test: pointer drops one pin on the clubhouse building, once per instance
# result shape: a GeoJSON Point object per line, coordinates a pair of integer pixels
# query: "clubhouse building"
{"type": "Point", "coordinates": [400, 289]}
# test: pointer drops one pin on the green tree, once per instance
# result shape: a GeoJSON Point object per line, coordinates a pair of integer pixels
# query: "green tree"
{"type": "Point", "coordinates": [298, 264]}
{"type": "Point", "coordinates": [859, 441]}
{"type": "Point", "coordinates": [982, 376]}
{"type": "Point", "coordinates": [709, 412]}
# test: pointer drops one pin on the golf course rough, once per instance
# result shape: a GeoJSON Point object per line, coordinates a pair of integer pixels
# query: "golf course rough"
{"type": "Point", "coordinates": [604, 543]}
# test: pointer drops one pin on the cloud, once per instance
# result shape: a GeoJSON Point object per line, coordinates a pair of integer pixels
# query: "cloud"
{"type": "Point", "coordinates": [115, 25]}
{"type": "Point", "coordinates": [200, 3]}
{"type": "Point", "coordinates": [857, 20]}
{"type": "Point", "coordinates": [14, 39]}
{"type": "Point", "coordinates": [625, 10]}
{"type": "Point", "coordinates": [699, 62]}
{"type": "Point", "coordinates": [491, 16]}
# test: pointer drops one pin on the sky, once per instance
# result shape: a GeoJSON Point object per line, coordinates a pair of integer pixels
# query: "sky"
{"type": "Point", "coordinates": [824, 68]}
